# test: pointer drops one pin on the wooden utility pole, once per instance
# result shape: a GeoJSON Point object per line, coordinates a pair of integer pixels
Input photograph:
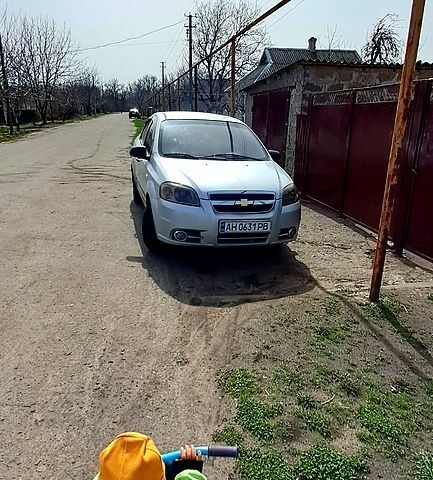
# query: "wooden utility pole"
{"type": "Point", "coordinates": [5, 90]}
{"type": "Point", "coordinates": [233, 79]}
{"type": "Point", "coordinates": [163, 84]}
{"type": "Point", "coordinates": [401, 117]}
{"type": "Point", "coordinates": [195, 89]}
{"type": "Point", "coordinates": [189, 35]}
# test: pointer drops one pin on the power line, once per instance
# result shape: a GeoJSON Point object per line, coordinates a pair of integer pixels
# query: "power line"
{"type": "Point", "coordinates": [128, 39]}
{"type": "Point", "coordinates": [282, 16]}
{"type": "Point", "coordinates": [145, 43]}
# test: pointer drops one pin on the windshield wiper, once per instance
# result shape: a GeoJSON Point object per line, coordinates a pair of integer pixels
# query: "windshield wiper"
{"type": "Point", "coordinates": [230, 156]}
{"type": "Point", "coordinates": [179, 155]}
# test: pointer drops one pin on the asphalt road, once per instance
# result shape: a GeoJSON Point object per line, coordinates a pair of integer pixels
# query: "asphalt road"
{"type": "Point", "coordinates": [97, 335]}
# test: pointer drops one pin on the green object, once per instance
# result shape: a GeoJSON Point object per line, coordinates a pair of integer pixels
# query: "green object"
{"type": "Point", "coordinates": [190, 475]}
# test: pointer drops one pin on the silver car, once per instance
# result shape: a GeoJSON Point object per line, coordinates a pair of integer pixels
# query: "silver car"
{"type": "Point", "coordinates": [207, 180]}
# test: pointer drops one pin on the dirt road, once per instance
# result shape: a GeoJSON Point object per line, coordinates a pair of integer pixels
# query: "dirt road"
{"type": "Point", "coordinates": [97, 335]}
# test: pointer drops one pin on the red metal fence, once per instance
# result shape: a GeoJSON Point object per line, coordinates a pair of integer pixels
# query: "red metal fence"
{"type": "Point", "coordinates": [342, 153]}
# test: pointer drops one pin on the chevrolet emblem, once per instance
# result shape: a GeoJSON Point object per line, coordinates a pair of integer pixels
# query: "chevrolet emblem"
{"type": "Point", "coordinates": [244, 202]}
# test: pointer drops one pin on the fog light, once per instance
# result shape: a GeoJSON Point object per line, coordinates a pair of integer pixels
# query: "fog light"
{"type": "Point", "coordinates": [180, 235]}
{"type": "Point", "coordinates": [292, 232]}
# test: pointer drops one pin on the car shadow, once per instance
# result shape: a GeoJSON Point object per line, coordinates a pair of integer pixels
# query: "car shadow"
{"type": "Point", "coordinates": [222, 277]}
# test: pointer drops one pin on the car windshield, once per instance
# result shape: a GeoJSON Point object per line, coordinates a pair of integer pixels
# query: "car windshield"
{"type": "Point", "coordinates": [213, 139]}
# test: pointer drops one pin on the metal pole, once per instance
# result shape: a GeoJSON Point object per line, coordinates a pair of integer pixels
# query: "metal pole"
{"type": "Point", "coordinates": [195, 90]}
{"type": "Point", "coordinates": [5, 90]}
{"type": "Point", "coordinates": [233, 80]}
{"type": "Point", "coordinates": [400, 123]}
{"type": "Point", "coordinates": [169, 98]}
{"type": "Point", "coordinates": [190, 60]}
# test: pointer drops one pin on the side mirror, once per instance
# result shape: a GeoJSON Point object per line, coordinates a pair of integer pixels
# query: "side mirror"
{"type": "Point", "coordinates": [275, 155]}
{"type": "Point", "coordinates": [140, 152]}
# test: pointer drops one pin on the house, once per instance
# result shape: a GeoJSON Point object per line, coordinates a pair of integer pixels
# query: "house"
{"type": "Point", "coordinates": [278, 89]}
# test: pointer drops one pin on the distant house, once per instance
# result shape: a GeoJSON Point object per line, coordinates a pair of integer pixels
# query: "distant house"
{"type": "Point", "coordinates": [277, 90]}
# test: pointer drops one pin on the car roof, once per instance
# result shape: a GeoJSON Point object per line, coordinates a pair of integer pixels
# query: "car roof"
{"type": "Point", "coordinates": [195, 116]}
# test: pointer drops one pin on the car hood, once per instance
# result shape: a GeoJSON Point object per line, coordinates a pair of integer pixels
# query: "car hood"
{"type": "Point", "coordinates": [220, 175]}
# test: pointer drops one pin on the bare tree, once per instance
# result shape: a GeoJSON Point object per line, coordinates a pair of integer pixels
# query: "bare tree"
{"type": "Point", "coordinates": [142, 89]}
{"type": "Point", "coordinates": [384, 44]}
{"type": "Point", "coordinates": [43, 56]}
{"type": "Point", "coordinates": [216, 21]}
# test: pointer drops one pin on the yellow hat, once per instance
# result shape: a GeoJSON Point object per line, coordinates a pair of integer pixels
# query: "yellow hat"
{"type": "Point", "coordinates": [131, 456]}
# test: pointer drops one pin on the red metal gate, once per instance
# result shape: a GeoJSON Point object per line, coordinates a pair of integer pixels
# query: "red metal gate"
{"type": "Point", "coordinates": [270, 115]}
{"type": "Point", "coordinates": [346, 155]}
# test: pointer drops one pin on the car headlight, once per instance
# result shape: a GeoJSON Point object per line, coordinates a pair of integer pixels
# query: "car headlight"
{"type": "Point", "coordinates": [173, 192]}
{"type": "Point", "coordinates": [290, 195]}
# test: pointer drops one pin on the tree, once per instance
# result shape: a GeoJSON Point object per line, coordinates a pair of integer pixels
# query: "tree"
{"type": "Point", "coordinates": [142, 89]}
{"type": "Point", "coordinates": [43, 56]}
{"type": "Point", "coordinates": [215, 22]}
{"type": "Point", "coordinates": [384, 45]}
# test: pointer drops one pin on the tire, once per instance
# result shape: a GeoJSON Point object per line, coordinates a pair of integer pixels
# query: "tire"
{"type": "Point", "coordinates": [148, 230]}
{"type": "Point", "coordinates": [135, 193]}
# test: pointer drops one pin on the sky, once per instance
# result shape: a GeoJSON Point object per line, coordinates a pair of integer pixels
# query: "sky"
{"type": "Point", "coordinates": [97, 22]}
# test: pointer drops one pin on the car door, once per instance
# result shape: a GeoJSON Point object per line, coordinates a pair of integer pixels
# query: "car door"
{"type": "Point", "coordinates": [141, 166]}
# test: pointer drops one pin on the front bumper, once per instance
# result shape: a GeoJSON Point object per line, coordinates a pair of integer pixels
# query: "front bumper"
{"type": "Point", "coordinates": [202, 224]}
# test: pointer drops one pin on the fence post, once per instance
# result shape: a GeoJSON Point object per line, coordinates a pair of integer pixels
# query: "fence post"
{"type": "Point", "coordinates": [169, 97]}
{"type": "Point", "coordinates": [233, 80]}
{"type": "Point", "coordinates": [178, 94]}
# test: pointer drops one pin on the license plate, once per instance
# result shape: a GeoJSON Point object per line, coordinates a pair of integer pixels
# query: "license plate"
{"type": "Point", "coordinates": [254, 226]}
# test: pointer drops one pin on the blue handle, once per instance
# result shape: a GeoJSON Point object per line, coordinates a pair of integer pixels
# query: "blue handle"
{"type": "Point", "coordinates": [210, 451]}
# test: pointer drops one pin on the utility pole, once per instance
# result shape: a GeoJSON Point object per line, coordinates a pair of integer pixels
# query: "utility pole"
{"type": "Point", "coordinates": [163, 84]}
{"type": "Point", "coordinates": [189, 38]}
{"type": "Point", "coordinates": [401, 117]}
{"type": "Point", "coordinates": [5, 90]}
{"type": "Point", "coordinates": [232, 108]}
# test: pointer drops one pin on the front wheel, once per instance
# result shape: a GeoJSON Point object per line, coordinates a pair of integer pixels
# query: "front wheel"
{"type": "Point", "coordinates": [148, 231]}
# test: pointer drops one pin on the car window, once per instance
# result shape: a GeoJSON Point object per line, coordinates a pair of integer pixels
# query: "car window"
{"type": "Point", "coordinates": [145, 130]}
{"type": "Point", "coordinates": [150, 137]}
{"type": "Point", "coordinates": [200, 138]}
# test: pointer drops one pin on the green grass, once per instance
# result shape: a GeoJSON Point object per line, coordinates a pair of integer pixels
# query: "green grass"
{"type": "Point", "coordinates": [423, 466]}
{"type": "Point", "coordinates": [253, 464]}
{"type": "Point", "coordinates": [238, 383]}
{"type": "Point", "coordinates": [229, 436]}
{"type": "Point", "coordinates": [138, 124]}
{"type": "Point", "coordinates": [314, 421]}
{"type": "Point", "coordinates": [324, 463]}
{"type": "Point", "coordinates": [388, 419]}
{"type": "Point", "coordinates": [254, 417]}
{"type": "Point", "coordinates": [332, 307]}
{"type": "Point", "coordinates": [285, 381]}
{"type": "Point", "coordinates": [327, 335]}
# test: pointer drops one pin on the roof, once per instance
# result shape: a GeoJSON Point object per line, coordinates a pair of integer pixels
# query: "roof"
{"type": "Point", "coordinates": [275, 59]}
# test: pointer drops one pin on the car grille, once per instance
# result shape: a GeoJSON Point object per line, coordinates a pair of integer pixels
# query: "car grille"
{"type": "Point", "coordinates": [242, 238]}
{"type": "Point", "coordinates": [242, 202]}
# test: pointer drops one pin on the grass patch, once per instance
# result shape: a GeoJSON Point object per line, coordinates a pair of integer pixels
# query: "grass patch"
{"type": "Point", "coordinates": [385, 309]}
{"type": "Point", "coordinates": [229, 436]}
{"type": "Point", "coordinates": [324, 463]}
{"type": "Point", "coordinates": [286, 381]}
{"type": "Point", "coordinates": [138, 124]}
{"type": "Point", "coordinates": [314, 421]}
{"type": "Point", "coordinates": [428, 387]}
{"type": "Point", "coordinates": [327, 334]}
{"type": "Point", "coordinates": [254, 417]}
{"type": "Point", "coordinates": [388, 419]}
{"type": "Point", "coordinates": [238, 383]}
{"type": "Point", "coordinates": [255, 465]}
{"type": "Point", "coordinates": [423, 466]}
{"type": "Point", "coordinates": [332, 307]}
